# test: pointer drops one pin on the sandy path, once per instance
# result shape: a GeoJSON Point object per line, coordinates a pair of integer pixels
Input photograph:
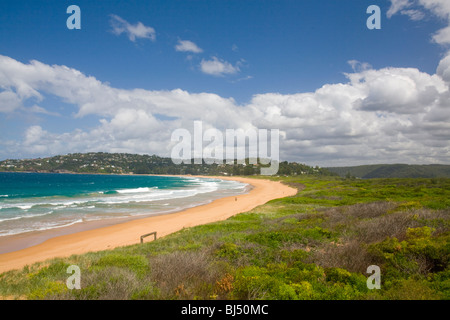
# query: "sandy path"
{"type": "Point", "coordinates": [128, 233]}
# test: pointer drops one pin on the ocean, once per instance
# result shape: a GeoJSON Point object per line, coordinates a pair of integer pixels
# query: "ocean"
{"type": "Point", "coordinates": [32, 202]}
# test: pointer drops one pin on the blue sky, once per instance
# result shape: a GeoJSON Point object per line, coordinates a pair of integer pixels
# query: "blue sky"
{"type": "Point", "coordinates": [248, 56]}
{"type": "Point", "coordinates": [287, 45]}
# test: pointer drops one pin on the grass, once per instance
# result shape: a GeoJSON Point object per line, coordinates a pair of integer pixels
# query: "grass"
{"type": "Point", "coordinates": [315, 245]}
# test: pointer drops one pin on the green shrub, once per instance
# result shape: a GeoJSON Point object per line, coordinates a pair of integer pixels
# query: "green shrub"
{"type": "Point", "coordinates": [137, 264]}
{"type": "Point", "coordinates": [293, 256]}
{"type": "Point", "coordinates": [262, 286]}
{"type": "Point", "coordinates": [340, 291]}
{"type": "Point", "coordinates": [90, 292]}
{"type": "Point", "coordinates": [283, 292]}
{"type": "Point", "coordinates": [228, 250]}
{"type": "Point", "coordinates": [419, 233]}
{"type": "Point", "coordinates": [440, 282]}
{"type": "Point", "coordinates": [410, 289]}
{"type": "Point", "coordinates": [108, 283]}
{"type": "Point", "coordinates": [308, 272]}
{"type": "Point", "coordinates": [252, 283]}
{"type": "Point", "coordinates": [304, 290]}
{"type": "Point", "coordinates": [50, 288]}
{"type": "Point", "coordinates": [148, 292]}
{"type": "Point", "coordinates": [420, 253]}
{"type": "Point", "coordinates": [338, 275]}
{"type": "Point", "coordinates": [273, 239]}
{"type": "Point", "coordinates": [56, 270]}
{"type": "Point", "coordinates": [317, 233]}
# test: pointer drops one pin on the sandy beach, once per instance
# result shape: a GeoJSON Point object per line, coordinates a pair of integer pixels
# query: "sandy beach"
{"type": "Point", "coordinates": [129, 232]}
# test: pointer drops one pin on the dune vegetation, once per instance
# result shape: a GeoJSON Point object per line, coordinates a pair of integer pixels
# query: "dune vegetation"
{"type": "Point", "coordinates": [315, 245]}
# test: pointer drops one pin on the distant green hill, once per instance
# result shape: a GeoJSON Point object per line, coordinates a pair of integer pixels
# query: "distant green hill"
{"type": "Point", "coordinates": [122, 163]}
{"type": "Point", "coordinates": [394, 171]}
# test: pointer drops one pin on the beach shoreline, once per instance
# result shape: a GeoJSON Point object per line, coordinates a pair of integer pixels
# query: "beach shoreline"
{"type": "Point", "coordinates": [129, 232]}
{"type": "Point", "coordinates": [16, 242]}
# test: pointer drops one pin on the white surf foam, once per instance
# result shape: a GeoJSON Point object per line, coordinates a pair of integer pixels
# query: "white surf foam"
{"type": "Point", "coordinates": [65, 210]}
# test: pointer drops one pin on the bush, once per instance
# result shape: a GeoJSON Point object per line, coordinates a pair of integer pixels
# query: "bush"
{"type": "Point", "coordinates": [352, 256]}
{"type": "Point", "coordinates": [409, 289]}
{"type": "Point", "coordinates": [440, 282]}
{"type": "Point", "coordinates": [47, 290]}
{"type": "Point", "coordinates": [185, 274]}
{"type": "Point", "coordinates": [304, 290]}
{"type": "Point", "coordinates": [420, 253]}
{"type": "Point", "coordinates": [252, 283]}
{"type": "Point", "coordinates": [228, 250]}
{"type": "Point", "coordinates": [137, 264]}
{"type": "Point", "coordinates": [338, 275]}
{"type": "Point", "coordinates": [56, 270]}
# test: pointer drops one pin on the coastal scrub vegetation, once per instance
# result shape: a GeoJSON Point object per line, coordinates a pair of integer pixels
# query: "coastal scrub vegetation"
{"type": "Point", "coordinates": [393, 171]}
{"type": "Point", "coordinates": [316, 245]}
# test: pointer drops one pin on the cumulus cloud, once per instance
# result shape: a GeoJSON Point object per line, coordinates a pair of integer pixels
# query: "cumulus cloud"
{"type": "Point", "coordinates": [397, 90]}
{"type": "Point", "coordinates": [384, 115]}
{"type": "Point", "coordinates": [443, 69]}
{"type": "Point", "coordinates": [442, 36]}
{"type": "Point", "coordinates": [9, 101]}
{"type": "Point", "coordinates": [187, 46]}
{"type": "Point", "coordinates": [218, 67]}
{"type": "Point", "coordinates": [133, 32]}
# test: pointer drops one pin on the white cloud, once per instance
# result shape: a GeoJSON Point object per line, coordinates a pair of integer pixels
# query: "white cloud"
{"type": "Point", "coordinates": [242, 79]}
{"type": "Point", "coordinates": [33, 135]}
{"type": "Point", "coordinates": [138, 30]}
{"type": "Point", "coordinates": [383, 87]}
{"type": "Point", "coordinates": [384, 115]}
{"type": "Point", "coordinates": [187, 46]}
{"type": "Point", "coordinates": [442, 36]}
{"type": "Point", "coordinates": [358, 66]}
{"type": "Point", "coordinates": [37, 109]}
{"type": "Point", "coordinates": [439, 8]}
{"type": "Point", "coordinates": [397, 6]}
{"type": "Point", "coordinates": [443, 69]}
{"type": "Point", "coordinates": [9, 101]}
{"type": "Point", "coordinates": [218, 67]}
{"type": "Point", "coordinates": [414, 15]}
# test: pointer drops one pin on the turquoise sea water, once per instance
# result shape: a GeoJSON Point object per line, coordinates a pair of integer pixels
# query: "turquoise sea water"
{"type": "Point", "coordinates": [40, 201]}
